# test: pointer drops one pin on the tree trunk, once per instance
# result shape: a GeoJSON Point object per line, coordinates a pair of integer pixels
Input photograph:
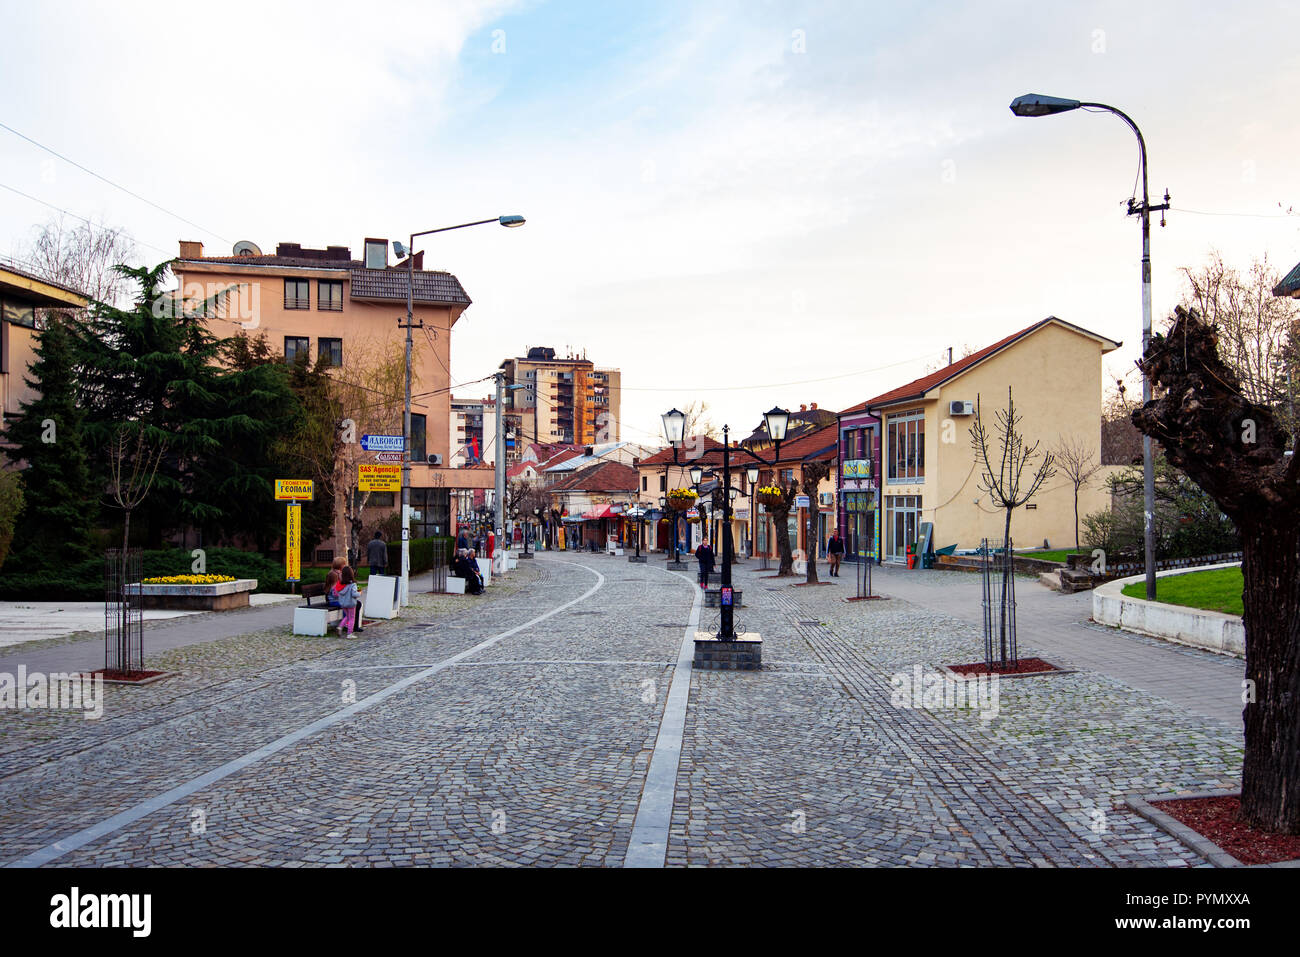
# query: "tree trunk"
{"type": "Point", "coordinates": [1008, 569]}
{"type": "Point", "coordinates": [1270, 775]}
{"type": "Point", "coordinates": [811, 538]}
{"type": "Point", "coordinates": [1076, 518]}
{"type": "Point", "coordinates": [781, 523]}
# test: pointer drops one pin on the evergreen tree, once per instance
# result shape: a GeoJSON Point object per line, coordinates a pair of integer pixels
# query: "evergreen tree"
{"type": "Point", "coordinates": [61, 503]}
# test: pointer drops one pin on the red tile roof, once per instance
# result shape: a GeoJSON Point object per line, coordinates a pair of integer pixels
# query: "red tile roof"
{"type": "Point", "coordinates": [602, 477]}
{"type": "Point", "coordinates": [918, 387]}
{"type": "Point", "coordinates": [665, 456]}
{"type": "Point", "coordinates": [815, 446]}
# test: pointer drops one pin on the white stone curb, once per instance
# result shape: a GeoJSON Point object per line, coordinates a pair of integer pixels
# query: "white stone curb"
{"type": "Point", "coordinates": [1210, 630]}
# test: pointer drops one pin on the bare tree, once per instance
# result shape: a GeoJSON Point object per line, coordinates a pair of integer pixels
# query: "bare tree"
{"type": "Point", "coordinates": [1079, 463]}
{"type": "Point", "coordinates": [699, 422]}
{"type": "Point", "coordinates": [1121, 442]}
{"type": "Point", "coordinates": [1006, 483]}
{"type": "Point", "coordinates": [133, 461]}
{"type": "Point", "coordinates": [1253, 327]}
{"type": "Point", "coordinates": [1234, 448]}
{"type": "Point", "coordinates": [813, 473]}
{"type": "Point", "coordinates": [780, 512]}
{"type": "Point", "coordinates": [83, 256]}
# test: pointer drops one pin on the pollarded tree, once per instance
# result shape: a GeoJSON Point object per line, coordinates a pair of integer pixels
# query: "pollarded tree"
{"type": "Point", "coordinates": [1235, 449]}
{"type": "Point", "coordinates": [780, 512]}
{"type": "Point", "coordinates": [813, 473]}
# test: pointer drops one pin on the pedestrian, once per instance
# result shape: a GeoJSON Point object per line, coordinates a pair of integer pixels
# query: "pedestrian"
{"type": "Point", "coordinates": [467, 568]}
{"type": "Point", "coordinates": [349, 596]}
{"type": "Point", "coordinates": [704, 555]}
{"type": "Point", "coordinates": [462, 542]}
{"type": "Point", "coordinates": [377, 554]}
{"type": "Point", "coordinates": [835, 552]}
{"type": "Point", "coordinates": [332, 581]}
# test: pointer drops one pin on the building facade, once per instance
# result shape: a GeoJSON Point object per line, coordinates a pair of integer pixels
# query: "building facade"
{"type": "Point", "coordinates": [563, 400]}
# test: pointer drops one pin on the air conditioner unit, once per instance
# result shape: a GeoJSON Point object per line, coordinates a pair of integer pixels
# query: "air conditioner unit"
{"type": "Point", "coordinates": [826, 498]}
{"type": "Point", "coordinates": [435, 458]}
{"type": "Point", "coordinates": [958, 407]}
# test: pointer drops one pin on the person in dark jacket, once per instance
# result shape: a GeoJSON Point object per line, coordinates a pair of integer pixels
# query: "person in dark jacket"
{"type": "Point", "coordinates": [704, 555]}
{"type": "Point", "coordinates": [377, 554]}
{"type": "Point", "coordinates": [835, 552]}
{"type": "Point", "coordinates": [467, 568]}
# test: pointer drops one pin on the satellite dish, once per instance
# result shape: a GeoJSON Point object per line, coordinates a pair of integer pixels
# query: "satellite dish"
{"type": "Point", "coordinates": [245, 248]}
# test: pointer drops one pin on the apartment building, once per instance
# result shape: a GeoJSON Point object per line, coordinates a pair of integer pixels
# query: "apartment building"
{"type": "Point", "coordinates": [21, 294]}
{"type": "Point", "coordinates": [565, 400]}
{"type": "Point", "coordinates": [325, 304]}
{"type": "Point", "coordinates": [473, 432]}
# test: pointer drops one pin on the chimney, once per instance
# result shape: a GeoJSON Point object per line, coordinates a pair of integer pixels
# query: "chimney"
{"type": "Point", "coordinates": [802, 407]}
{"type": "Point", "coordinates": [191, 250]}
{"type": "Point", "coordinates": [814, 406]}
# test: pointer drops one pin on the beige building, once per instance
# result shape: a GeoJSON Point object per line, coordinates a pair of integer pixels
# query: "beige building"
{"type": "Point", "coordinates": [930, 471]}
{"type": "Point", "coordinates": [473, 429]}
{"type": "Point", "coordinates": [564, 400]}
{"type": "Point", "coordinates": [21, 294]}
{"type": "Point", "coordinates": [324, 303]}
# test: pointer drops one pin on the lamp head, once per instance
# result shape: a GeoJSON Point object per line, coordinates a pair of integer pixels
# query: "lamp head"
{"type": "Point", "coordinates": [510, 222]}
{"type": "Point", "coordinates": [778, 419]}
{"type": "Point", "coordinates": [751, 473]}
{"type": "Point", "coordinates": [399, 249]}
{"type": "Point", "coordinates": [674, 426]}
{"type": "Point", "coordinates": [1036, 104]}
{"type": "Point", "coordinates": [697, 473]}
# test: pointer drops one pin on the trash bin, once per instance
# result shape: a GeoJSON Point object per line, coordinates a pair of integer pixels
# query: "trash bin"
{"type": "Point", "coordinates": [911, 556]}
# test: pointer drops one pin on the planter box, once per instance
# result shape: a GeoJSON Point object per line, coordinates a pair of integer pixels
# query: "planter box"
{"type": "Point", "coordinates": [220, 597]}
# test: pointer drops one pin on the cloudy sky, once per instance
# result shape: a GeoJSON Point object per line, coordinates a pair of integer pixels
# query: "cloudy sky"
{"type": "Point", "coordinates": [748, 203]}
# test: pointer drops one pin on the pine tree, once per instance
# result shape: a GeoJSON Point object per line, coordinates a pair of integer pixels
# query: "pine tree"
{"type": "Point", "coordinates": [61, 503]}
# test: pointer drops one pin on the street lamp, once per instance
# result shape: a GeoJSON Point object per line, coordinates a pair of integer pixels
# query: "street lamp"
{"type": "Point", "coordinates": [674, 433]}
{"type": "Point", "coordinates": [1035, 104]}
{"type": "Point", "coordinates": [751, 473]}
{"type": "Point", "coordinates": [408, 251]}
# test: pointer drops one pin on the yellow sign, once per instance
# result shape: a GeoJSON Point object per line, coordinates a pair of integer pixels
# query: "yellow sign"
{"type": "Point", "coordinates": [292, 543]}
{"type": "Point", "coordinates": [302, 490]}
{"type": "Point", "coordinates": [379, 478]}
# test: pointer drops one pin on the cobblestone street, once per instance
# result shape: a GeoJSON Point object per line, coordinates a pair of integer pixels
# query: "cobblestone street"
{"type": "Point", "coordinates": [522, 727]}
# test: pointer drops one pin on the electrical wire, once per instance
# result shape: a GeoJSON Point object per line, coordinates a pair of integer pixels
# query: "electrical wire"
{"type": "Point", "coordinates": [59, 209]}
{"type": "Point", "coordinates": [773, 385]}
{"type": "Point", "coordinates": [105, 179]}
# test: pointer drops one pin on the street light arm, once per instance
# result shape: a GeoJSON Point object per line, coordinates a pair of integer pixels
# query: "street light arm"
{"type": "Point", "coordinates": [444, 229]}
{"type": "Point", "coordinates": [1142, 143]}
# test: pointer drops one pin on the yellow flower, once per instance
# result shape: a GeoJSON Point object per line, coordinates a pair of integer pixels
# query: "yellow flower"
{"type": "Point", "coordinates": [188, 580]}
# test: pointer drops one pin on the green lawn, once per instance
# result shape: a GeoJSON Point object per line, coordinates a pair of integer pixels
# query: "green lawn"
{"type": "Point", "coordinates": [1215, 590]}
{"type": "Point", "coordinates": [1055, 555]}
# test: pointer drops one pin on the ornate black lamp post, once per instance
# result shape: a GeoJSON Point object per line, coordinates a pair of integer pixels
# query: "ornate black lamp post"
{"type": "Point", "coordinates": [674, 432]}
{"type": "Point", "coordinates": [751, 473]}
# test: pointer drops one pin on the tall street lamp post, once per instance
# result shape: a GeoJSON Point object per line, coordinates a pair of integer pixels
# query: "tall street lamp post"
{"type": "Point", "coordinates": [1034, 104]}
{"type": "Point", "coordinates": [674, 432]}
{"type": "Point", "coordinates": [409, 252]}
{"type": "Point", "coordinates": [777, 421]}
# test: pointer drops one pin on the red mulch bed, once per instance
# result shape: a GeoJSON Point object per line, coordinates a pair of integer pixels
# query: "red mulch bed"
{"type": "Point", "coordinates": [805, 584]}
{"type": "Point", "coordinates": [1216, 818]}
{"type": "Point", "coordinates": [1026, 666]}
{"type": "Point", "coordinates": [112, 674]}
{"type": "Point", "coordinates": [868, 598]}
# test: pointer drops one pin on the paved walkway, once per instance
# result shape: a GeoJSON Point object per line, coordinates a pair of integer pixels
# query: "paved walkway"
{"type": "Point", "coordinates": [548, 721]}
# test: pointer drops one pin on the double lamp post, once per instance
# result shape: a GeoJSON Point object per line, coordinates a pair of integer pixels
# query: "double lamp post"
{"type": "Point", "coordinates": [674, 423]}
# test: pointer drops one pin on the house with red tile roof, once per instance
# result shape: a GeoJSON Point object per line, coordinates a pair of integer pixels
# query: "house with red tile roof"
{"type": "Point", "coordinates": [931, 474]}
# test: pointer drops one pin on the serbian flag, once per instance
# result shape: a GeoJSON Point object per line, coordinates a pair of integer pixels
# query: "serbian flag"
{"type": "Point", "coordinates": [474, 445]}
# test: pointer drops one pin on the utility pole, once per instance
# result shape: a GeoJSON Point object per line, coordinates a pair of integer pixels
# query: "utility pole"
{"type": "Point", "coordinates": [500, 469]}
{"type": "Point", "coordinates": [404, 590]}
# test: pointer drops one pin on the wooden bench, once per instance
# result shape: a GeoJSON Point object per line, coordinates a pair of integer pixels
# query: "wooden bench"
{"type": "Point", "coordinates": [309, 619]}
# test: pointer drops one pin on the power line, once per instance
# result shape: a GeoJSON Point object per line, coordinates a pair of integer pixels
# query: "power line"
{"type": "Point", "coordinates": [65, 212]}
{"type": "Point", "coordinates": [105, 179]}
{"type": "Point", "coordinates": [773, 385]}
{"type": "Point", "coordinates": [1202, 212]}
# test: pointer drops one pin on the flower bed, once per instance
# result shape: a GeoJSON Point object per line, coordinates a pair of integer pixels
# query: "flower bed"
{"type": "Point", "coordinates": [217, 596]}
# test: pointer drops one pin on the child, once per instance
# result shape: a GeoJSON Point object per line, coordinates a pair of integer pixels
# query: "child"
{"type": "Point", "coordinates": [348, 598]}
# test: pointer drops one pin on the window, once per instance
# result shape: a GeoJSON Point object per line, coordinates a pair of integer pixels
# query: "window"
{"type": "Point", "coordinates": [380, 500]}
{"type": "Point", "coordinates": [295, 346]}
{"type": "Point", "coordinates": [330, 350]}
{"type": "Point", "coordinates": [906, 454]}
{"type": "Point", "coordinates": [329, 295]}
{"type": "Point", "coordinates": [417, 438]}
{"type": "Point", "coordinates": [663, 483]}
{"type": "Point", "coordinates": [645, 483]}
{"type": "Point", "coordinates": [376, 254]}
{"type": "Point", "coordinates": [296, 295]}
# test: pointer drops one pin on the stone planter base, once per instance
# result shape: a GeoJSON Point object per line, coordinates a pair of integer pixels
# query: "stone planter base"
{"type": "Point", "coordinates": [713, 598]}
{"type": "Point", "coordinates": [678, 566]}
{"type": "Point", "coordinates": [638, 559]}
{"type": "Point", "coordinates": [743, 654]}
{"type": "Point", "coordinates": [524, 555]}
{"type": "Point", "coordinates": [221, 597]}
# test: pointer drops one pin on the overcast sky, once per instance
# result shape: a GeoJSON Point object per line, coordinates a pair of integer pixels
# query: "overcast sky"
{"type": "Point", "coordinates": [723, 199]}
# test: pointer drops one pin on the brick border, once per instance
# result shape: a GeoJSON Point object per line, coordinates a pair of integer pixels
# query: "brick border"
{"type": "Point", "coordinates": [1141, 804]}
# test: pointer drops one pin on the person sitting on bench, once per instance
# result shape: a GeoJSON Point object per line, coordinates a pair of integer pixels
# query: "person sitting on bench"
{"type": "Point", "coordinates": [466, 568]}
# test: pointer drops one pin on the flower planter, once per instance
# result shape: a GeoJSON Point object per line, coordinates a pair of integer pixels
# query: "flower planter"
{"type": "Point", "coordinates": [219, 597]}
{"type": "Point", "coordinates": [771, 501]}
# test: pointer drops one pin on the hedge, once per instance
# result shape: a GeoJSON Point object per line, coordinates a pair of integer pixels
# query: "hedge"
{"type": "Point", "coordinates": [423, 551]}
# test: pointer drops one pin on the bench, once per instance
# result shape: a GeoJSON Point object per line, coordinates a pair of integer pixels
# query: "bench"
{"type": "Point", "coordinates": [309, 619]}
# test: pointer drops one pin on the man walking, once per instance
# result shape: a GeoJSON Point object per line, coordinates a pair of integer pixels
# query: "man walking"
{"type": "Point", "coordinates": [704, 555]}
{"type": "Point", "coordinates": [377, 554]}
{"type": "Point", "coordinates": [835, 552]}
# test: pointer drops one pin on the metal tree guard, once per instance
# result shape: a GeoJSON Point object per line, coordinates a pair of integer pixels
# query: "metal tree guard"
{"type": "Point", "coordinates": [123, 611]}
{"type": "Point", "coordinates": [998, 578]}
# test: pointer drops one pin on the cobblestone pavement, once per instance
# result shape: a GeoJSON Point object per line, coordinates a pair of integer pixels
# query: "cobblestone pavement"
{"type": "Point", "coordinates": [516, 728]}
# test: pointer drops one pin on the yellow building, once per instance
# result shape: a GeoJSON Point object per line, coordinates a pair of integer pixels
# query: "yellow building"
{"type": "Point", "coordinates": [21, 294]}
{"type": "Point", "coordinates": [930, 471]}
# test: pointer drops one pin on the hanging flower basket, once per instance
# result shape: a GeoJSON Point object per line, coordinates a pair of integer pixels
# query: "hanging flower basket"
{"type": "Point", "coordinates": [770, 496]}
{"type": "Point", "coordinates": [681, 499]}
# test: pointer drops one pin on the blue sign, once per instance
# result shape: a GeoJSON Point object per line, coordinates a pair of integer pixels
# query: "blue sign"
{"type": "Point", "coordinates": [383, 443]}
{"type": "Point", "coordinates": [726, 596]}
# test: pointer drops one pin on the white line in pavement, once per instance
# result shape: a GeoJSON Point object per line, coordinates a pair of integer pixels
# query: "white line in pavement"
{"type": "Point", "coordinates": [494, 663]}
{"type": "Point", "coordinates": [648, 845]}
{"type": "Point", "coordinates": [118, 821]}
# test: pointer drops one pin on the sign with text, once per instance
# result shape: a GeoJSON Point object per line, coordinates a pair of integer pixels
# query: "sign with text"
{"type": "Point", "coordinates": [383, 443]}
{"type": "Point", "coordinates": [388, 456]}
{"type": "Point", "coordinates": [727, 597]}
{"type": "Point", "coordinates": [857, 468]}
{"type": "Point", "coordinates": [801, 501]}
{"type": "Point", "coordinates": [293, 543]}
{"type": "Point", "coordinates": [379, 478]}
{"type": "Point", "coordinates": [287, 490]}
